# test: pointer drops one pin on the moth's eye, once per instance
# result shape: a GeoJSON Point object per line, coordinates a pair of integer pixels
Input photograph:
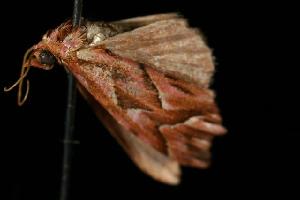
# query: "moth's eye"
{"type": "Point", "coordinates": [47, 58]}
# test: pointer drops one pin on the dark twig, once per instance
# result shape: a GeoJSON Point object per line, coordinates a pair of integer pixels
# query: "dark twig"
{"type": "Point", "coordinates": [70, 115]}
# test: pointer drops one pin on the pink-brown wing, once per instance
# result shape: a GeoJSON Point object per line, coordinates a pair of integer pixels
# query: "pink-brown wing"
{"type": "Point", "coordinates": [173, 117]}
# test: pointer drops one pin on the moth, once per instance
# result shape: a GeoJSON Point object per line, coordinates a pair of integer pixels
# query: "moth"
{"type": "Point", "coordinates": [147, 78]}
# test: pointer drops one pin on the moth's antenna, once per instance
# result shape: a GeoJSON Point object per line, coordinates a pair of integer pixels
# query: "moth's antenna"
{"type": "Point", "coordinates": [23, 74]}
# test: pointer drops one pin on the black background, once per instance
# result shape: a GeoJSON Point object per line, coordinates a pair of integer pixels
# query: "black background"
{"type": "Point", "coordinates": [256, 84]}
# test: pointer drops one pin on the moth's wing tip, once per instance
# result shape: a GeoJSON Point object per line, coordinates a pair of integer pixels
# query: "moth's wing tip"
{"type": "Point", "coordinates": [159, 166]}
{"type": "Point", "coordinates": [171, 174]}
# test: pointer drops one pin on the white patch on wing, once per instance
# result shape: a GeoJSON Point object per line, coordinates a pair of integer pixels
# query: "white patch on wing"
{"type": "Point", "coordinates": [99, 31]}
{"type": "Point", "coordinates": [97, 39]}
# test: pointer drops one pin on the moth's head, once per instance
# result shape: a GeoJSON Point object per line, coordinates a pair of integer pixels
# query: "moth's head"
{"type": "Point", "coordinates": [40, 57]}
{"type": "Point", "coordinates": [56, 45]}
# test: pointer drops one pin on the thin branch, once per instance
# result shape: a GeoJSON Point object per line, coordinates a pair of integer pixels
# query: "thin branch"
{"type": "Point", "coordinates": [70, 116]}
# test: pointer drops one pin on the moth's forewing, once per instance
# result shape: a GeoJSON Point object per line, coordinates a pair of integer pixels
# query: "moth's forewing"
{"type": "Point", "coordinates": [153, 83]}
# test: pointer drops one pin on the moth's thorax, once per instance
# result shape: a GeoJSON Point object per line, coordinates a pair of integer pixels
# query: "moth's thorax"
{"type": "Point", "coordinates": [63, 42]}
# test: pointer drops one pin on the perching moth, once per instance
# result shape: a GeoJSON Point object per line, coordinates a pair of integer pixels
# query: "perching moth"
{"type": "Point", "coordinates": [148, 80]}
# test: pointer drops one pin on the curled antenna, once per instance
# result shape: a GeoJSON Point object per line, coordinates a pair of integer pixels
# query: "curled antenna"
{"type": "Point", "coordinates": [23, 74]}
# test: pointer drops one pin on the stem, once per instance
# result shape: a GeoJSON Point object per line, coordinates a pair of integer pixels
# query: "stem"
{"type": "Point", "coordinates": [70, 116]}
